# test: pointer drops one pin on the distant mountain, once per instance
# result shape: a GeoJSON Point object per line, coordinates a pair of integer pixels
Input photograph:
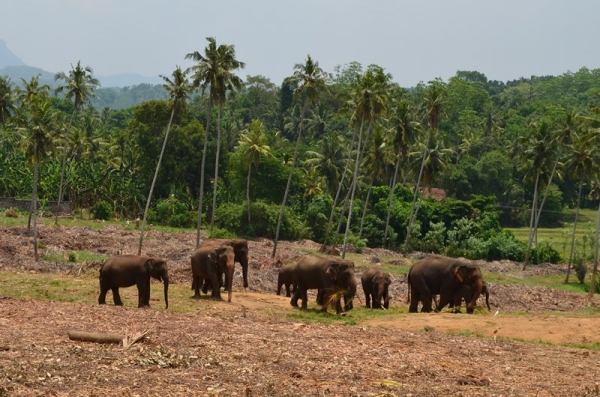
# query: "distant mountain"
{"type": "Point", "coordinates": [12, 66]}
{"type": "Point", "coordinates": [16, 73]}
{"type": "Point", "coordinates": [7, 58]}
{"type": "Point", "coordinates": [127, 80]}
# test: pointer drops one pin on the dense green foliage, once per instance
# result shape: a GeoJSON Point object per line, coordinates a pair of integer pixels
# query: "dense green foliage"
{"type": "Point", "coordinates": [480, 151]}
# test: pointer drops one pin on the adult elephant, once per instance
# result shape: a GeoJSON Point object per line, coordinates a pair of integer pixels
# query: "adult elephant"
{"type": "Point", "coordinates": [210, 263]}
{"type": "Point", "coordinates": [348, 295]}
{"type": "Point", "coordinates": [126, 270]}
{"type": "Point", "coordinates": [466, 292]}
{"type": "Point", "coordinates": [286, 277]}
{"type": "Point", "coordinates": [334, 275]}
{"type": "Point", "coordinates": [444, 276]}
{"type": "Point", "coordinates": [376, 285]}
{"type": "Point", "coordinates": [240, 249]}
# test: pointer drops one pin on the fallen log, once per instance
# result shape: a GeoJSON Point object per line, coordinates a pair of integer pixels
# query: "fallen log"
{"type": "Point", "coordinates": [95, 337]}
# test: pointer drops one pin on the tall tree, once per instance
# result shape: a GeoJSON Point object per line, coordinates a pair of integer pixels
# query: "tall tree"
{"type": "Point", "coordinates": [405, 129]}
{"type": "Point", "coordinates": [584, 162]}
{"type": "Point", "coordinates": [78, 86]}
{"type": "Point", "coordinates": [179, 91]}
{"type": "Point", "coordinates": [433, 111]}
{"type": "Point", "coordinates": [309, 80]}
{"type": "Point", "coordinates": [214, 71]}
{"type": "Point", "coordinates": [7, 99]}
{"type": "Point", "coordinates": [253, 145]}
{"type": "Point", "coordinates": [372, 97]}
{"type": "Point", "coordinates": [535, 160]}
{"type": "Point", "coordinates": [37, 126]}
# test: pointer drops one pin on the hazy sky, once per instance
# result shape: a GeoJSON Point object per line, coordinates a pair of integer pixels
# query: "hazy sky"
{"type": "Point", "coordinates": [414, 40]}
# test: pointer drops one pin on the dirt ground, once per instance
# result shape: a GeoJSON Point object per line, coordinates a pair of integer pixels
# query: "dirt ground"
{"type": "Point", "coordinates": [242, 349]}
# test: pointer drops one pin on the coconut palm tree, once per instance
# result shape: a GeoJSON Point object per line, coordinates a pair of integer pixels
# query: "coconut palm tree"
{"type": "Point", "coordinates": [78, 86]}
{"type": "Point", "coordinates": [7, 99]}
{"type": "Point", "coordinates": [253, 145]}
{"type": "Point", "coordinates": [179, 90]}
{"type": "Point", "coordinates": [433, 111]}
{"type": "Point", "coordinates": [583, 161]}
{"type": "Point", "coordinates": [405, 129]}
{"type": "Point", "coordinates": [372, 96]}
{"type": "Point", "coordinates": [329, 160]}
{"type": "Point", "coordinates": [309, 80]}
{"type": "Point", "coordinates": [535, 160]}
{"type": "Point", "coordinates": [377, 159]}
{"type": "Point", "coordinates": [37, 125]}
{"type": "Point", "coordinates": [214, 71]}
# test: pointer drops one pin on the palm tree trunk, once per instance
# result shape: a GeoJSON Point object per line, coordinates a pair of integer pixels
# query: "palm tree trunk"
{"type": "Point", "coordinates": [412, 215]}
{"type": "Point", "coordinates": [574, 231]}
{"type": "Point", "coordinates": [215, 183]}
{"type": "Point", "coordinates": [62, 171]}
{"type": "Point", "coordinates": [36, 166]}
{"type": "Point", "coordinates": [340, 186]}
{"type": "Point", "coordinates": [154, 179]}
{"type": "Point", "coordinates": [289, 181]}
{"type": "Point", "coordinates": [341, 217]}
{"type": "Point", "coordinates": [531, 220]}
{"type": "Point", "coordinates": [391, 201]}
{"type": "Point", "coordinates": [595, 271]}
{"type": "Point", "coordinates": [202, 171]}
{"type": "Point", "coordinates": [248, 191]}
{"type": "Point", "coordinates": [354, 183]}
{"type": "Point", "coordinates": [362, 219]}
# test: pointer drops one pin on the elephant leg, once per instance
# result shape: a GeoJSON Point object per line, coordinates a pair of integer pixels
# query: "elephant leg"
{"type": "Point", "coordinates": [414, 300]}
{"type": "Point", "coordinates": [426, 299]}
{"type": "Point", "coordinates": [294, 300]}
{"type": "Point", "coordinates": [141, 286]}
{"type": "Point", "coordinates": [304, 297]}
{"type": "Point", "coordinates": [102, 297]}
{"type": "Point", "coordinates": [196, 282]}
{"type": "Point", "coordinates": [116, 297]}
{"type": "Point", "coordinates": [205, 286]}
{"type": "Point", "coordinates": [216, 288]}
{"type": "Point", "coordinates": [386, 302]}
{"type": "Point", "coordinates": [368, 300]}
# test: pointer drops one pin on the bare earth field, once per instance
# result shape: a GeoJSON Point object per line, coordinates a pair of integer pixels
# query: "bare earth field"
{"type": "Point", "coordinates": [254, 347]}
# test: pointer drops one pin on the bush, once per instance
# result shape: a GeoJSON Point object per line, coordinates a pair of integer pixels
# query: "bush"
{"type": "Point", "coordinates": [172, 212]}
{"type": "Point", "coordinates": [221, 233]}
{"type": "Point", "coordinates": [434, 239]}
{"type": "Point", "coordinates": [543, 253]}
{"type": "Point", "coordinates": [101, 210]}
{"type": "Point", "coordinates": [504, 246]}
{"type": "Point", "coordinates": [579, 267]}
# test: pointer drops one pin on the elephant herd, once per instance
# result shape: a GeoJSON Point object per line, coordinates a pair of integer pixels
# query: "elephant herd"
{"type": "Point", "coordinates": [213, 262]}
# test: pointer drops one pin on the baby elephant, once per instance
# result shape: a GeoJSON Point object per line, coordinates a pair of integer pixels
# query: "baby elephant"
{"type": "Point", "coordinates": [127, 270]}
{"type": "Point", "coordinates": [376, 284]}
{"type": "Point", "coordinates": [286, 277]}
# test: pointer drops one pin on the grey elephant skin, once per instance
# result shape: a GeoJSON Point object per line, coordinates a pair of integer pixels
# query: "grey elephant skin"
{"type": "Point", "coordinates": [126, 270]}
{"type": "Point", "coordinates": [334, 275]}
{"type": "Point", "coordinates": [444, 276]}
{"type": "Point", "coordinates": [466, 292]}
{"type": "Point", "coordinates": [286, 277]}
{"type": "Point", "coordinates": [240, 249]}
{"type": "Point", "coordinates": [375, 284]}
{"type": "Point", "coordinates": [210, 263]}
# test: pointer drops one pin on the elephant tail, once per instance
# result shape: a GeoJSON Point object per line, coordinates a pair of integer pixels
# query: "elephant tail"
{"type": "Point", "coordinates": [408, 282]}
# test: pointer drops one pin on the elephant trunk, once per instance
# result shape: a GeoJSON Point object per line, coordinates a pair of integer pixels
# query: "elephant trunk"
{"type": "Point", "coordinates": [229, 282]}
{"type": "Point", "coordinates": [478, 287]}
{"type": "Point", "coordinates": [166, 284]}
{"type": "Point", "coordinates": [245, 272]}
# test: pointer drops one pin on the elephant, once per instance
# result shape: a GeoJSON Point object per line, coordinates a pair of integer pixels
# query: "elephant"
{"type": "Point", "coordinates": [126, 270]}
{"type": "Point", "coordinates": [240, 249]}
{"type": "Point", "coordinates": [466, 293]}
{"type": "Point", "coordinates": [444, 276]}
{"type": "Point", "coordinates": [348, 295]}
{"type": "Point", "coordinates": [375, 285]}
{"type": "Point", "coordinates": [333, 275]}
{"type": "Point", "coordinates": [210, 263]}
{"type": "Point", "coordinates": [286, 277]}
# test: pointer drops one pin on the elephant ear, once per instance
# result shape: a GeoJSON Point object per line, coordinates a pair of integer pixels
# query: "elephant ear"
{"type": "Point", "coordinates": [149, 264]}
{"type": "Point", "coordinates": [458, 270]}
{"type": "Point", "coordinates": [213, 255]}
{"type": "Point", "coordinates": [332, 270]}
